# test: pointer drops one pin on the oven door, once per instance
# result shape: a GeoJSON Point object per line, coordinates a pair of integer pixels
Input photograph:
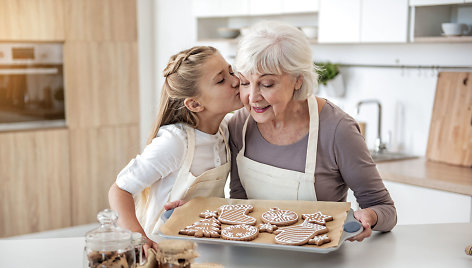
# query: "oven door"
{"type": "Point", "coordinates": [31, 94]}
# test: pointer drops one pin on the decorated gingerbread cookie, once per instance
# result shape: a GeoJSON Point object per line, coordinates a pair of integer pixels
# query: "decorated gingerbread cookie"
{"type": "Point", "coordinates": [279, 217]}
{"type": "Point", "coordinates": [319, 240]}
{"type": "Point", "coordinates": [267, 227]}
{"type": "Point", "coordinates": [236, 214]}
{"type": "Point", "coordinates": [298, 234]}
{"type": "Point", "coordinates": [240, 232]}
{"type": "Point", "coordinates": [318, 218]}
{"type": "Point", "coordinates": [209, 214]}
{"type": "Point", "coordinates": [203, 228]}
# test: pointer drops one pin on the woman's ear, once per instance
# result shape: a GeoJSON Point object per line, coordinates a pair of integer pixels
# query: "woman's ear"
{"type": "Point", "coordinates": [299, 82]}
{"type": "Point", "coordinates": [193, 105]}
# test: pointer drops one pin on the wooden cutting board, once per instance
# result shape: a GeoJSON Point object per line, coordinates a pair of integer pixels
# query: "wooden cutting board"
{"type": "Point", "coordinates": [450, 132]}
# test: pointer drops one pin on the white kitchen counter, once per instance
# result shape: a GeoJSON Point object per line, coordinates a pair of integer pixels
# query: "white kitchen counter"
{"type": "Point", "coordinates": [432, 245]}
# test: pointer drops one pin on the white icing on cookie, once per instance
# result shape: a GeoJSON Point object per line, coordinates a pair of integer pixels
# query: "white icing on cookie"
{"type": "Point", "coordinates": [319, 240]}
{"type": "Point", "coordinates": [279, 217]}
{"type": "Point", "coordinates": [317, 217]}
{"type": "Point", "coordinates": [203, 228]}
{"type": "Point", "coordinates": [208, 214]}
{"type": "Point", "coordinates": [241, 232]}
{"type": "Point", "coordinates": [236, 214]}
{"type": "Point", "coordinates": [298, 234]}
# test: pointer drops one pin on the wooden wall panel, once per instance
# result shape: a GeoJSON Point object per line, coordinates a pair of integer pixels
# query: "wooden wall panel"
{"type": "Point", "coordinates": [101, 83]}
{"type": "Point", "coordinates": [97, 156]}
{"type": "Point", "coordinates": [101, 20]}
{"type": "Point", "coordinates": [34, 174]}
{"type": "Point", "coordinates": [30, 20]}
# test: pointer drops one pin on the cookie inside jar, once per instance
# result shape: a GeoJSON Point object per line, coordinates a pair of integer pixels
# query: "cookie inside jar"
{"type": "Point", "coordinates": [109, 245]}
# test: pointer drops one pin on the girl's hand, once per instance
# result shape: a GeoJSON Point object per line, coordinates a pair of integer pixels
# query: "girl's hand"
{"type": "Point", "coordinates": [367, 217]}
{"type": "Point", "coordinates": [149, 244]}
{"type": "Point", "coordinates": [174, 204]}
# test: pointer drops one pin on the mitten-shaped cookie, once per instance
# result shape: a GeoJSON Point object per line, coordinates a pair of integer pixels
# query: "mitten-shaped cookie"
{"type": "Point", "coordinates": [236, 214]}
{"type": "Point", "coordinates": [298, 234]}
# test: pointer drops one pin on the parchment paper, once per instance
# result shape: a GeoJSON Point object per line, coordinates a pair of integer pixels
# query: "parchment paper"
{"type": "Point", "coordinates": [189, 213]}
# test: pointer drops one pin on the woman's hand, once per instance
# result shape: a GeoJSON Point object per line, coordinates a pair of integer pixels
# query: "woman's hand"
{"type": "Point", "coordinates": [173, 204]}
{"type": "Point", "coordinates": [367, 217]}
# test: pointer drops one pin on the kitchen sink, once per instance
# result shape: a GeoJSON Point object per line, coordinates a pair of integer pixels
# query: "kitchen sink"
{"type": "Point", "coordinates": [390, 156]}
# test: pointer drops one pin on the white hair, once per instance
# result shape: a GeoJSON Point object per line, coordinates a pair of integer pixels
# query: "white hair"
{"type": "Point", "coordinates": [277, 48]}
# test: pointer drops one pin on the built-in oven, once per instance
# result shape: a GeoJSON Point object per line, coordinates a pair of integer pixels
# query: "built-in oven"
{"type": "Point", "coordinates": [31, 85]}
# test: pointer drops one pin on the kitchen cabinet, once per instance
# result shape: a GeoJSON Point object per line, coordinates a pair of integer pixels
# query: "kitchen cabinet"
{"type": "Point", "coordinates": [220, 8]}
{"type": "Point", "coordinates": [41, 20]}
{"type": "Point", "coordinates": [340, 21]}
{"type": "Point", "coordinates": [212, 14]}
{"type": "Point", "coordinates": [419, 205]}
{"type": "Point", "coordinates": [426, 20]}
{"type": "Point", "coordinates": [104, 20]}
{"type": "Point", "coordinates": [103, 77]}
{"type": "Point", "coordinates": [97, 156]}
{"type": "Point", "coordinates": [35, 192]}
{"type": "Point", "coordinates": [60, 177]}
{"type": "Point", "coordinates": [384, 21]}
{"type": "Point", "coordinates": [434, 2]}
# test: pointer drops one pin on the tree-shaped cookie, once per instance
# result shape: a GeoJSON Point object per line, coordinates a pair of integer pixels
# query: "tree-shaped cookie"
{"type": "Point", "coordinates": [203, 228]}
{"type": "Point", "coordinates": [279, 217]}
{"type": "Point", "coordinates": [236, 214]}
{"type": "Point", "coordinates": [298, 234]}
{"type": "Point", "coordinates": [318, 218]}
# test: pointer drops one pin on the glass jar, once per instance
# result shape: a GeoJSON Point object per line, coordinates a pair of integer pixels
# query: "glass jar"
{"type": "Point", "coordinates": [138, 242]}
{"type": "Point", "coordinates": [109, 245]}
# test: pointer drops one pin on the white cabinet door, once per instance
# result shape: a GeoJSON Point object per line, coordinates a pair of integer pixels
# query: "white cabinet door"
{"type": "Point", "coordinates": [418, 205]}
{"type": "Point", "coordinates": [339, 21]}
{"type": "Point", "coordinates": [220, 8]}
{"type": "Point", "coordinates": [300, 6]}
{"type": "Point", "coordinates": [435, 2]}
{"type": "Point", "coordinates": [265, 7]}
{"type": "Point", "coordinates": [384, 21]}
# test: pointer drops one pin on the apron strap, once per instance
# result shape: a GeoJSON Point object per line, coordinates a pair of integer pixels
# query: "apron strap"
{"type": "Point", "coordinates": [185, 169]}
{"type": "Point", "coordinates": [312, 136]}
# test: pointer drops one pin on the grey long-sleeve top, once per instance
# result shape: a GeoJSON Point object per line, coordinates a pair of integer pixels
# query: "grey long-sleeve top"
{"type": "Point", "coordinates": [343, 161]}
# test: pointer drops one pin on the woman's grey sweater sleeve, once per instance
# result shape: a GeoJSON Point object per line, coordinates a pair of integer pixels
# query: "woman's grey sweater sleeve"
{"type": "Point", "coordinates": [361, 175]}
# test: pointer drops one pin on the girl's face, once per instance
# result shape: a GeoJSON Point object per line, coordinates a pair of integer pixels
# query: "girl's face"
{"type": "Point", "coordinates": [219, 87]}
{"type": "Point", "coordinates": [266, 96]}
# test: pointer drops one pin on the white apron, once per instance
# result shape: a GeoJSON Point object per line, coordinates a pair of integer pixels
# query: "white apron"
{"type": "Point", "coordinates": [209, 183]}
{"type": "Point", "coordinates": [267, 182]}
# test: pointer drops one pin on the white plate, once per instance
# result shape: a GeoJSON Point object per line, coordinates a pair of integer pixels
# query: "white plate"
{"type": "Point", "coordinates": [346, 235]}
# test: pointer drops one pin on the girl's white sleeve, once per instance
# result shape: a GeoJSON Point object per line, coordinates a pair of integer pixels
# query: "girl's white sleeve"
{"type": "Point", "coordinates": [161, 157]}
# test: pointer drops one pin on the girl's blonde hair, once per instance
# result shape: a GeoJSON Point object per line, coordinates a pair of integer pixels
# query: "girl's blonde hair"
{"type": "Point", "coordinates": [182, 76]}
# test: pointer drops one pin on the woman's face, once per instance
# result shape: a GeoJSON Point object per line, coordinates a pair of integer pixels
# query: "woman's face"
{"type": "Point", "coordinates": [219, 87]}
{"type": "Point", "coordinates": [266, 96]}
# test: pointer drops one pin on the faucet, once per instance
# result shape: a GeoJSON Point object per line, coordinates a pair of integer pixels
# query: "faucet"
{"type": "Point", "coordinates": [379, 145]}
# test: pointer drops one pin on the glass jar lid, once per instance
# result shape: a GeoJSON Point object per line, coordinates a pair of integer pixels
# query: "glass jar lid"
{"type": "Point", "coordinates": [108, 236]}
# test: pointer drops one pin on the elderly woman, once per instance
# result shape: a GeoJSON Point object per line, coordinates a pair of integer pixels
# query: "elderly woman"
{"type": "Point", "coordinates": [287, 144]}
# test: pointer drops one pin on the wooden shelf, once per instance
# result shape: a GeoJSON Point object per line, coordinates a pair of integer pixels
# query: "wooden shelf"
{"type": "Point", "coordinates": [443, 39]}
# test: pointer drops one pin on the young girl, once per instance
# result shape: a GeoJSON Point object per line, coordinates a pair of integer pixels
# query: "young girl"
{"type": "Point", "coordinates": [188, 153]}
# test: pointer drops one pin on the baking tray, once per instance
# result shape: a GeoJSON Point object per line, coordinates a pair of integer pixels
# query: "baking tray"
{"type": "Point", "coordinates": [351, 227]}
